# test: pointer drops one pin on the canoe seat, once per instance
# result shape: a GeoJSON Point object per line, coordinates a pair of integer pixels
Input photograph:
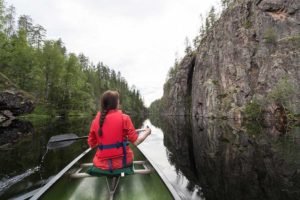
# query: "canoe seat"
{"type": "Point", "coordinates": [138, 167]}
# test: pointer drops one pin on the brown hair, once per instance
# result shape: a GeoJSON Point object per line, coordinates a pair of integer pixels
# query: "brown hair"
{"type": "Point", "coordinates": [109, 101]}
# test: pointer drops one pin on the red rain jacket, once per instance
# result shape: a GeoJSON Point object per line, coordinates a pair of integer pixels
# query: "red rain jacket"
{"type": "Point", "coordinates": [117, 127]}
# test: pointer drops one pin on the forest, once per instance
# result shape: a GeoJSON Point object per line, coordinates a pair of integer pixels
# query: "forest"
{"type": "Point", "coordinates": [61, 82]}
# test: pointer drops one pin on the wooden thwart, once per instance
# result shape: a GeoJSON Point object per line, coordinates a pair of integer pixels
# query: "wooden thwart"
{"type": "Point", "coordinates": [112, 182]}
{"type": "Point", "coordinates": [144, 170]}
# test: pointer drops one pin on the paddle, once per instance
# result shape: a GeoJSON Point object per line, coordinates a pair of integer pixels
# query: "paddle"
{"type": "Point", "coordinates": [59, 141]}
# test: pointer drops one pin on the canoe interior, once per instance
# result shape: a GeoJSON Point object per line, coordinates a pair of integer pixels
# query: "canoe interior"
{"type": "Point", "coordinates": [137, 186]}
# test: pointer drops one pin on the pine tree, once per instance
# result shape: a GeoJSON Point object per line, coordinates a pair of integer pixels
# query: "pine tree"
{"type": "Point", "coordinates": [225, 3]}
{"type": "Point", "coordinates": [62, 82]}
{"type": "Point", "coordinates": [188, 48]}
{"type": "Point", "coordinates": [38, 35]}
{"type": "Point", "coordinates": [9, 26]}
{"type": "Point", "coordinates": [212, 16]}
{"type": "Point", "coordinates": [25, 23]}
{"type": "Point", "coordinates": [2, 14]}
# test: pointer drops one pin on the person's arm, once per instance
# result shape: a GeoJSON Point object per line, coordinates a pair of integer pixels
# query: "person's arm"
{"type": "Point", "coordinates": [92, 140]}
{"type": "Point", "coordinates": [132, 135]}
{"type": "Point", "coordinates": [142, 136]}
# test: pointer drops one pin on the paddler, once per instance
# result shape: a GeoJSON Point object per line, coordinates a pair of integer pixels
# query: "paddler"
{"type": "Point", "coordinates": [110, 132]}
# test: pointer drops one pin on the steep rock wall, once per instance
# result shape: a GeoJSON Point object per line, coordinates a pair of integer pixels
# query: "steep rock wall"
{"type": "Point", "coordinates": [250, 48]}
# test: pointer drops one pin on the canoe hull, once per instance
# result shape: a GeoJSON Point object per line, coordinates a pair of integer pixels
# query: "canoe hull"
{"type": "Point", "coordinates": [136, 186]}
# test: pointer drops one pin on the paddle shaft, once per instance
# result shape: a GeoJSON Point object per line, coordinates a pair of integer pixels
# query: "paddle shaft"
{"type": "Point", "coordinates": [71, 139]}
{"type": "Point", "coordinates": [83, 137]}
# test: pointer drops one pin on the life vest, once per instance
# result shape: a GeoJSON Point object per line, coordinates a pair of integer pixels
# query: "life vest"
{"type": "Point", "coordinates": [112, 143]}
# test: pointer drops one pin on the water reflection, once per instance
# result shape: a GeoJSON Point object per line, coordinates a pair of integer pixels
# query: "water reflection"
{"type": "Point", "coordinates": [233, 161]}
{"type": "Point", "coordinates": [23, 145]}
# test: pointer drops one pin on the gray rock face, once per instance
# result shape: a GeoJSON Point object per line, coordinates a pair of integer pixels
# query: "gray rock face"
{"type": "Point", "coordinates": [178, 93]}
{"type": "Point", "coordinates": [251, 47]}
{"type": "Point", "coordinates": [15, 102]}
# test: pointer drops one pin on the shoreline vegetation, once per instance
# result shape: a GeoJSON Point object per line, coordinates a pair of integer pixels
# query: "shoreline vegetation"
{"type": "Point", "coordinates": [60, 82]}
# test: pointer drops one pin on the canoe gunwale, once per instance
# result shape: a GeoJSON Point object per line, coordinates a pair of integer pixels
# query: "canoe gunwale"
{"type": "Point", "coordinates": [59, 175]}
{"type": "Point", "coordinates": [162, 176]}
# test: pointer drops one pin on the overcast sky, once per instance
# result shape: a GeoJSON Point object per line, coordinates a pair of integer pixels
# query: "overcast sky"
{"type": "Point", "coordinates": [139, 38]}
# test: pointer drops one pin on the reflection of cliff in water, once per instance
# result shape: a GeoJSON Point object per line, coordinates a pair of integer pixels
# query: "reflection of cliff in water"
{"type": "Point", "coordinates": [12, 132]}
{"type": "Point", "coordinates": [229, 161]}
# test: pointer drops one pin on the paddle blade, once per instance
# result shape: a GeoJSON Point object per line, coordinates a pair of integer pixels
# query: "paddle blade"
{"type": "Point", "coordinates": [58, 141]}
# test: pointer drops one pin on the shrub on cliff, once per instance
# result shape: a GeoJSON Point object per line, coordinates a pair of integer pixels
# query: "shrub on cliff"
{"type": "Point", "coordinates": [270, 36]}
{"type": "Point", "coordinates": [253, 110]}
{"type": "Point", "coordinates": [282, 92]}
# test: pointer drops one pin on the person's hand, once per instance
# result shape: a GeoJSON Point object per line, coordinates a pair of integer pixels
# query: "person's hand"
{"type": "Point", "coordinates": [148, 130]}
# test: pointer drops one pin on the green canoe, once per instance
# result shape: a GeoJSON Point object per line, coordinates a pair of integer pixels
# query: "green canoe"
{"type": "Point", "coordinates": [73, 183]}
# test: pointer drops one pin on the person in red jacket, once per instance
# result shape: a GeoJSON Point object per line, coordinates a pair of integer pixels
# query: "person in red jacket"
{"type": "Point", "coordinates": [110, 132]}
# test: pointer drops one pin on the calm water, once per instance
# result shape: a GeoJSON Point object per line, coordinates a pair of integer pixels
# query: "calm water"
{"type": "Point", "coordinates": [202, 159]}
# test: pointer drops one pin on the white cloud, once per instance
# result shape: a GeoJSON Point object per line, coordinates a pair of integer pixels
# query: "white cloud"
{"type": "Point", "coordinates": [138, 38]}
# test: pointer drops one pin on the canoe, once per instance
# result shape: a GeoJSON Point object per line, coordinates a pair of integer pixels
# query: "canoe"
{"type": "Point", "coordinates": [73, 182]}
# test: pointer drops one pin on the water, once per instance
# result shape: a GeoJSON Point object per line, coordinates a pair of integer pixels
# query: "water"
{"type": "Point", "coordinates": [25, 165]}
{"type": "Point", "coordinates": [214, 159]}
{"type": "Point", "coordinates": [202, 159]}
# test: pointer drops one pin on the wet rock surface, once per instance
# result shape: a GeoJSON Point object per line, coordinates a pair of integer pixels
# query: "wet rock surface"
{"type": "Point", "coordinates": [15, 102]}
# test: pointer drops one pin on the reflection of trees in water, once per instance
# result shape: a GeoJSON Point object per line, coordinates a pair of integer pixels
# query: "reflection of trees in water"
{"type": "Point", "coordinates": [26, 152]}
{"type": "Point", "coordinates": [16, 141]}
{"type": "Point", "coordinates": [24, 145]}
{"type": "Point", "coordinates": [230, 161]}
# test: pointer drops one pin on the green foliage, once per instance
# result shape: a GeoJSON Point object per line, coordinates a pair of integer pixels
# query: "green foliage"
{"type": "Point", "coordinates": [212, 16]}
{"type": "Point", "coordinates": [247, 24]}
{"type": "Point", "coordinates": [171, 75]}
{"type": "Point", "coordinates": [253, 110]}
{"type": "Point", "coordinates": [270, 36]}
{"type": "Point", "coordinates": [282, 92]}
{"type": "Point", "coordinates": [226, 103]}
{"type": "Point", "coordinates": [2, 14]}
{"type": "Point", "coordinates": [5, 83]}
{"type": "Point", "coordinates": [62, 83]}
{"type": "Point", "coordinates": [225, 3]}
{"type": "Point", "coordinates": [157, 107]}
{"type": "Point", "coordinates": [253, 128]}
{"type": "Point", "coordinates": [222, 96]}
{"type": "Point", "coordinates": [294, 40]}
{"type": "Point", "coordinates": [173, 70]}
{"type": "Point", "coordinates": [215, 82]}
{"type": "Point", "coordinates": [188, 48]}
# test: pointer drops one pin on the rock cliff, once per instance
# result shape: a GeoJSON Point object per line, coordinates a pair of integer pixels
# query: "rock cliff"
{"type": "Point", "coordinates": [244, 57]}
{"type": "Point", "coordinates": [13, 101]}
